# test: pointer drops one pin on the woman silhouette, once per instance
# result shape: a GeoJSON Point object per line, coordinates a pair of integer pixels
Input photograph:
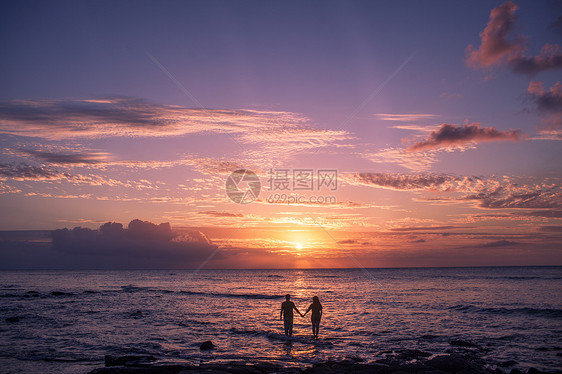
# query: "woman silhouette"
{"type": "Point", "coordinates": [316, 308]}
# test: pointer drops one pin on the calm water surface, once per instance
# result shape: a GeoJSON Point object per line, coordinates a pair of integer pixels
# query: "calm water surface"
{"type": "Point", "coordinates": [70, 320]}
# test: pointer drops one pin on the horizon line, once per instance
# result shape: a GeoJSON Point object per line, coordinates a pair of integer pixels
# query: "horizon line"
{"type": "Point", "coordinates": [278, 269]}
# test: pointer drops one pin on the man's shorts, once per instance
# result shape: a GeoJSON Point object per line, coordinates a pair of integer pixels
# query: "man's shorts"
{"type": "Point", "coordinates": [288, 323]}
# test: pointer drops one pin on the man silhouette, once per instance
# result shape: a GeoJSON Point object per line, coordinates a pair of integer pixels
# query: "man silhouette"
{"type": "Point", "coordinates": [287, 311]}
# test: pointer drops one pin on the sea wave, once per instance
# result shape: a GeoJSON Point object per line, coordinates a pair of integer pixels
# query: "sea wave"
{"type": "Point", "coordinates": [273, 335]}
{"type": "Point", "coordinates": [132, 288]}
{"type": "Point", "coordinates": [540, 312]}
{"type": "Point", "coordinates": [234, 295]}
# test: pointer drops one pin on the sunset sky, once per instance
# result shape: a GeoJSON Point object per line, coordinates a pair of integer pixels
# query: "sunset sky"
{"type": "Point", "coordinates": [442, 119]}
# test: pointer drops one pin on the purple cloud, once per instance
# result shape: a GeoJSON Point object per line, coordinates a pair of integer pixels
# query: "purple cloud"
{"type": "Point", "coordinates": [25, 171]}
{"type": "Point", "coordinates": [550, 58]}
{"type": "Point", "coordinates": [487, 192]}
{"type": "Point", "coordinates": [67, 158]}
{"type": "Point", "coordinates": [547, 101]}
{"type": "Point", "coordinates": [497, 243]}
{"type": "Point", "coordinates": [404, 181]}
{"type": "Point", "coordinates": [498, 46]}
{"type": "Point", "coordinates": [142, 244]}
{"type": "Point", "coordinates": [452, 135]}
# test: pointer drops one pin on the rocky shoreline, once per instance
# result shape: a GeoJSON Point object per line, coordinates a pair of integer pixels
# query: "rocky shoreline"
{"type": "Point", "coordinates": [406, 361]}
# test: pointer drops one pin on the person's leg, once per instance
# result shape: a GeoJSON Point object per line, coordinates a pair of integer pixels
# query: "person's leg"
{"type": "Point", "coordinates": [286, 326]}
{"type": "Point", "coordinates": [290, 327]}
{"type": "Point", "coordinates": [316, 327]}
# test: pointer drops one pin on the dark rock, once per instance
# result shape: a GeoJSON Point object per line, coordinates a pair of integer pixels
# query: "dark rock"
{"type": "Point", "coordinates": [132, 370]}
{"type": "Point", "coordinates": [354, 359]}
{"type": "Point", "coordinates": [346, 367]}
{"type": "Point", "coordinates": [124, 360]}
{"type": "Point", "coordinates": [505, 364]}
{"type": "Point", "coordinates": [463, 343]}
{"type": "Point", "coordinates": [438, 365]}
{"type": "Point", "coordinates": [386, 361]}
{"type": "Point", "coordinates": [410, 354]}
{"type": "Point", "coordinates": [236, 368]}
{"type": "Point", "coordinates": [534, 371]}
{"type": "Point", "coordinates": [453, 364]}
{"type": "Point", "coordinates": [13, 319]}
{"type": "Point", "coordinates": [416, 367]}
{"type": "Point", "coordinates": [207, 346]}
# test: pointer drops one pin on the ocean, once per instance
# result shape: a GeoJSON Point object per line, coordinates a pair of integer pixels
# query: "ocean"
{"type": "Point", "coordinates": [69, 320]}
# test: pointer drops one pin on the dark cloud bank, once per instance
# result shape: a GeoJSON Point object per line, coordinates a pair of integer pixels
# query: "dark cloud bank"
{"type": "Point", "coordinates": [141, 245]}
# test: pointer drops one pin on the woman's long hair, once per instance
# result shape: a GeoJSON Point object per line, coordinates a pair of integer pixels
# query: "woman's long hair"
{"type": "Point", "coordinates": [315, 300]}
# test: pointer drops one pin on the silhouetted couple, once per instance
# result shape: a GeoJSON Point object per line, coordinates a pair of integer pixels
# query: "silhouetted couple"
{"type": "Point", "coordinates": [287, 315]}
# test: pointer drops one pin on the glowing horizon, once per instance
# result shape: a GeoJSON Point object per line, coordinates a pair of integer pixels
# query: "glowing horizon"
{"type": "Point", "coordinates": [373, 145]}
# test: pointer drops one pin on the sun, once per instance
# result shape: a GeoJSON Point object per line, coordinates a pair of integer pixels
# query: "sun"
{"type": "Point", "coordinates": [298, 245]}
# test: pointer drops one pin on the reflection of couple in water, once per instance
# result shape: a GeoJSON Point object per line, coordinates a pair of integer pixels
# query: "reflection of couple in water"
{"type": "Point", "coordinates": [287, 315]}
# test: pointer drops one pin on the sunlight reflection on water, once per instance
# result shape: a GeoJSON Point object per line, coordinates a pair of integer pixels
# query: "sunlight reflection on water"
{"type": "Point", "coordinates": [510, 311]}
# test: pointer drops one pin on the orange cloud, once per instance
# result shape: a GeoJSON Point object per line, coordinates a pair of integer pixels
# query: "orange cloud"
{"type": "Point", "coordinates": [495, 45]}
{"type": "Point", "coordinates": [412, 117]}
{"type": "Point", "coordinates": [59, 119]}
{"type": "Point", "coordinates": [419, 161]}
{"type": "Point", "coordinates": [263, 136]}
